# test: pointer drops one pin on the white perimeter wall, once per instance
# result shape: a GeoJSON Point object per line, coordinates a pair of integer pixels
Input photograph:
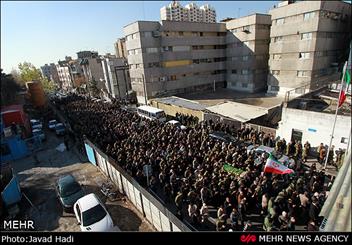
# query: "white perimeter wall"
{"type": "Point", "coordinates": [321, 122]}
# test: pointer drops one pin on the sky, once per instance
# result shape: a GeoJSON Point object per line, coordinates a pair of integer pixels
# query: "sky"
{"type": "Point", "coordinates": [46, 31]}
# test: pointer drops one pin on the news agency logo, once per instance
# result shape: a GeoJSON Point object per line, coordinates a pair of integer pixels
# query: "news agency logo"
{"type": "Point", "coordinates": [248, 238]}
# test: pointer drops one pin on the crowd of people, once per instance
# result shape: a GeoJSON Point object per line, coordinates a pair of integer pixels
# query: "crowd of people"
{"type": "Point", "coordinates": [188, 167]}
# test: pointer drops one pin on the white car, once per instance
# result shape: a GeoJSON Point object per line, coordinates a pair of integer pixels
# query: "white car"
{"type": "Point", "coordinates": [36, 124]}
{"type": "Point", "coordinates": [52, 124]}
{"type": "Point", "coordinates": [92, 215]}
{"type": "Point", "coordinates": [177, 124]}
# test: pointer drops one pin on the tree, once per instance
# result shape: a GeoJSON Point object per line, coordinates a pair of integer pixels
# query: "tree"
{"type": "Point", "coordinates": [9, 89]}
{"type": "Point", "coordinates": [93, 88]}
{"type": "Point", "coordinates": [17, 76]}
{"type": "Point", "coordinates": [48, 85]}
{"type": "Point", "coordinates": [29, 72]}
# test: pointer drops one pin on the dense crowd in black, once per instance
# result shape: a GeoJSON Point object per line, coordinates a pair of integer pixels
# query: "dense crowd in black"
{"type": "Point", "coordinates": [188, 165]}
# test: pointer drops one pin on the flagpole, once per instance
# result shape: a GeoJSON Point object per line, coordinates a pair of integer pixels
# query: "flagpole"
{"type": "Point", "coordinates": [337, 109]}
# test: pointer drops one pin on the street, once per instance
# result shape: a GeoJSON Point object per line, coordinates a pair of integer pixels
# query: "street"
{"type": "Point", "coordinates": [38, 174]}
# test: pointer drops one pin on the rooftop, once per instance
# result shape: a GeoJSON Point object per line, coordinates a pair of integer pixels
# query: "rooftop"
{"type": "Point", "coordinates": [221, 95]}
{"type": "Point", "coordinates": [238, 111]}
{"type": "Point", "coordinates": [173, 100]}
{"type": "Point", "coordinates": [322, 100]}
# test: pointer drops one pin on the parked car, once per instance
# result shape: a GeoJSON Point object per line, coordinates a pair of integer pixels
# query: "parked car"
{"type": "Point", "coordinates": [52, 124]}
{"type": "Point", "coordinates": [92, 215]}
{"type": "Point", "coordinates": [39, 133]}
{"type": "Point", "coordinates": [60, 129]}
{"type": "Point", "coordinates": [68, 191]}
{"type": "Point", "coordinates": [223, 137]}
{"type": "Point", "coordinates": [36, 124]}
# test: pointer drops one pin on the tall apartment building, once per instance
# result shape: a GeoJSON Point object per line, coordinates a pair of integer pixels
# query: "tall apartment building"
{"type": "Point", "coordinates": [169, 57]}
{"type": "Point", "coordinates": [116, 76]}
{"type": "Point", "coordinates": [191, 12]}
{"type": "Point", "coordinates": [309, 40]}
{"type": "Point", "coordinates": [248, 52]}
{"type": "Point", "coordinates": [120, 48]}
{"type": "Point", "coordinates": [76, 72]}
{"type": "Point", "coordinates": [64, 74]}
{"type": "Point", "coordinates": [50, 72]}
{"type": "Point", "coordinates": [91, 65]}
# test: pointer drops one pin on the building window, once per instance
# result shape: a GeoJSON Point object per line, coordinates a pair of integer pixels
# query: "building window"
{"type": "Point", "coordinates": [304, 55]}
{"type": "Point", "coordinates": [135, 36]}
{"type": "Point", "coordinates": [274, 88]}
{"type": "Point", "coordinates": [245, 58]}
{"type": "Point", "coordinates": [275, 72]}
{"type": "Point", "coordinates": [344, 140]}
{"type": "Point", "coordinates": [302, 74]}
{"type": "Point", "coordinates": [246, 29]}
{"type": "Point", "coordinates": [280, 21]}
{"type": "Point", "coordinates": [167, 49]}
{"type": "Point", "coordinates": [180, 33]}
{"type": "Point", "coordinates": [278, 39]}
{"type": "Point", "coordinates": [306, 36]}
{"type": "Point", "coordinates": [154, 64]}
{"type": "Point", "coordinates": [244, 85]}
{"type": "Point", "coordinates": [276, 56]}
{"type": "Point", "coordinates": [147, 34]}
{"type": "Point", "coordinates": [173, 77]}
{"type": "Point", "coordinates": [309, 15]}
{"type": "Point", "coordinates": [234, 71]}
{"type": "Point", "coordinates": [151, 50]}
{"type": "Point", "coordinates": [245, 72]}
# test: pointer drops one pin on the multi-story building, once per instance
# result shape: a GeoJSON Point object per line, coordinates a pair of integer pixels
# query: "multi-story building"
{"type": "Point", "coordinates": [50, 72]}
{"type": "Point", "coordinates": [91, 65]}
{"type": "Point", "coordinates": [308, 44]}
{"type": "Point", "coordinates": [248, 52]}
{"type": "Point", "coordinates": [169, 57]}
{"type": "Point", "coordinates": [64, 74]}
{"type": "Point", "coordinates": [208, 14]}
{"type": "Point", "coordinates": [120, 48]}
{"type": "Point", "coordinates": [191, 12]}
{"type": "Point", "coordinates": [116, 76]}
{"type": "Point", "coordinates": [76, 72]}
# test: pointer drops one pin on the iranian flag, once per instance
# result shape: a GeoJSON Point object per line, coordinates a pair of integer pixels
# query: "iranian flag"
{"type": "Point", "coordinates": [345, 83]}
{"type": "Point", "coordinates": [274, 166]}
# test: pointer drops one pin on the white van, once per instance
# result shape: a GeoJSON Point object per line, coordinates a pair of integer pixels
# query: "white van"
{"type": "Point", "coordinates": [151, 113]}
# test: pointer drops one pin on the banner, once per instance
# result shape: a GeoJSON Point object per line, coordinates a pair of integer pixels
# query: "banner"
{"type": "Point", "coordinates": [232, 170]}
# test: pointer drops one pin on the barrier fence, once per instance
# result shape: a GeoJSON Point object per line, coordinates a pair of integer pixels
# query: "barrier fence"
{"type": "Point", "coordinates": [153, 210]}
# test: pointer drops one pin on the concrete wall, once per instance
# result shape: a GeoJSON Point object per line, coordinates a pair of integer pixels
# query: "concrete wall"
{"type": "Point", "coordinates": [173, 109]}
{"type": "Point", "coordinates": [319, 122]}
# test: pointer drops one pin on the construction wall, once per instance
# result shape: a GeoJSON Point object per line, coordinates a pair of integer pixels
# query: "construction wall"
{"type": "Point", "coordinates": [173, 109]}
